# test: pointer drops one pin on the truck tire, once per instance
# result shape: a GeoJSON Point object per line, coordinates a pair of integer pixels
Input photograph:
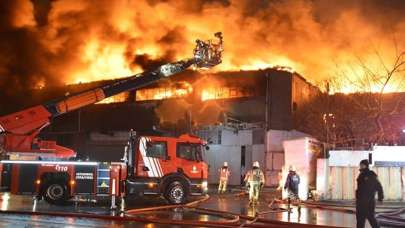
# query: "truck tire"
{"type": "Point", "coordinates": [56, 193]}
{"type": "Point", "coordinates": [176, 193]}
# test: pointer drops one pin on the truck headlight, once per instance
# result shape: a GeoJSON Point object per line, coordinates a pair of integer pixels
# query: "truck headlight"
{"type": "Point", "coordinates": [204, 185]}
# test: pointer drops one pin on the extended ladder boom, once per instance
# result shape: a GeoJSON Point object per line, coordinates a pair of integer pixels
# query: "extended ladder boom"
{"type": "Point", "coordinates": [18, 131]}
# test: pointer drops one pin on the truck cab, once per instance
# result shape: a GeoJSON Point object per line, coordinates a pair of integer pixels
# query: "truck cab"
{"type": "Point", "coordinates": [172, 167]}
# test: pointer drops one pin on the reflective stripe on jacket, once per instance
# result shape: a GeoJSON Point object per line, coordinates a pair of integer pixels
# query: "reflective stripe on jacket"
{"type": "Point", "coordinates": [254, 175]}
{"type": "Point", "coordinates": [224, 174]}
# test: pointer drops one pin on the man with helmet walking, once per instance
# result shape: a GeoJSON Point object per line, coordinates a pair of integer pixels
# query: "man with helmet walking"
{"type": "Point", "coordinates": [291, 185]}
{"type": "Point", "coordinates": [292, 182]}
{"type": "Point", "coordinates": [223, 178]}
{"type": "Point", "coordinates": [254, 180]}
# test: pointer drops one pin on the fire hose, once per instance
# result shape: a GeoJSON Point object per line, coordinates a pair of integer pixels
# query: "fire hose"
{"type": "Point", "coordinates": [390, 218]}
{"type": "Point", "coordinates": [135, 215]}
{"type": "Point", "coordinates": [320, 206]}
{"type": "Point", "coordinates": [267, 222]}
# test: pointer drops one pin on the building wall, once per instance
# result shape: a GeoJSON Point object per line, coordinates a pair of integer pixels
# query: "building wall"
{"type": "Point", "coordinates": [279, 100]}
{"type": "Point", "coordinates": [301, 92]}
{"type": "Point", "coordinates": [274, 158]}
{"type": "Point", "coordinates": [228, 144]}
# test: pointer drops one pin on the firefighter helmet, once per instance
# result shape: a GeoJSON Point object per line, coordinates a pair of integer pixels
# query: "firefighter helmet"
{"type": "Point", "coordinates": [291, 168]}
{"type": "Point", "coordinates": [225, 164]}
{"type": "Point", "coordinates": [256, 164]}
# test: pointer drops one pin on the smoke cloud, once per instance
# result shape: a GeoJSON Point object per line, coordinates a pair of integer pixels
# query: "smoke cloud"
{"type": "Point", "coordinates": [50, 42]}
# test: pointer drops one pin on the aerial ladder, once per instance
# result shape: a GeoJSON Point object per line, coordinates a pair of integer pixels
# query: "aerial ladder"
{"type": "Point", "coordinates": [19, 131]}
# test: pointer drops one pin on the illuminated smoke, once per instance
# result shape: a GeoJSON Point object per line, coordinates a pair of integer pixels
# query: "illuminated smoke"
{"type": "Point", "coordinates": [64, 41]}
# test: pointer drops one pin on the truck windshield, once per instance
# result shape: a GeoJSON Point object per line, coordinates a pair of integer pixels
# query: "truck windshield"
{"type": "Point", "coordinates": [189, 151]}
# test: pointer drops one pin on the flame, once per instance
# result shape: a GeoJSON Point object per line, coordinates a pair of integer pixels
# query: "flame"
{"type": "Point", "coordinates": [367, 76]}
{"type": "Point", "coordinates": [207, 95]}
{"type": "Point", "coordinates": [282, 177]}
{"type": "Point", "coordinates": [206, 90]}
{"type": "Point", "coordinates": [103, 62]}
{"type": "Point", "coordinates": [122, 97]}
{"type": "Point", "coordinates": [224, 92]}
{"type": "Point", "coordinates": [82, 43]}
{"type": "Point", "coordinates": [181, 89]}
{"type": "Point", "coordinates": [40, 84]}
{"type": "Point", "coordinates": [374, 88]}
{"type": "Point", "coordinates": [279, 64]}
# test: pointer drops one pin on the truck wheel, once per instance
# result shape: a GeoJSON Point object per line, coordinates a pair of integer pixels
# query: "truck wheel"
{"type": "Point", "coordinates": [56, 193]}
{"type": "Point", "coordinates": [176, 193]}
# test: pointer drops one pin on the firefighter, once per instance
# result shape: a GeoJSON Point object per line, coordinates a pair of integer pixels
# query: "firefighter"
{"type": "Point", "coordinates": [291, 185]}
{"type": "Point", "coordinates": [223, 178]}
{"type": "Point", "coordinates": [367, 186]}
{"type": "Point", "coordinates": [254, 180]}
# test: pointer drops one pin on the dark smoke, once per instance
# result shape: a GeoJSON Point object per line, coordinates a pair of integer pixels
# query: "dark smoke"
{"type": "Point", "coordinates": [23, 57]}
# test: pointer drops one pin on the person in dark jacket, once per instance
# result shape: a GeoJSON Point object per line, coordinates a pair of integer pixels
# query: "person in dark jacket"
{"type": "Point", "coordinates": [292, 182]}
{"type": "Point", "coordinates": [291, 185]}
{"type": "Point", "coordinates": [367, 186]}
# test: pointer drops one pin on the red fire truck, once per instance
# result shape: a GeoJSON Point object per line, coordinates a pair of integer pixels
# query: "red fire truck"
{"type": "Point", "coordinates": [172, 167]}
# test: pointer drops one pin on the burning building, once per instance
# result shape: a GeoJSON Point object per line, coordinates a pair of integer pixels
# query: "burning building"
{"type": "Point", "coordinates": [243, 115]}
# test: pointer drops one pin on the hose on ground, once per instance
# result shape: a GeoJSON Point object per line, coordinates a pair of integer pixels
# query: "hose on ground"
{"type": "Point", "coordinates": [230, 219]}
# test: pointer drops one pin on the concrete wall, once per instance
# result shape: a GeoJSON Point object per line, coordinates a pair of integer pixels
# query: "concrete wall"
{"type": "Point", "coordinates": [389, 154]}
{"type": "Point", "coordinates": [228, 146]}
{"type": "Point", "coordinates": [216, 157]}
{"type": "Point", "coordinates": [347, 157]}
{"type": "Point", "coordinates": [380, 156]}
{"type": "Point", "coordinates": [275, 154]}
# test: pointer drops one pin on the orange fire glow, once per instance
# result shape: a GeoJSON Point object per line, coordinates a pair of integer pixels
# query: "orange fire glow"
{"type": "Point", "coordinates": [122, 97]}
{"type": "Point", "coordinates": [224, 92]}
{"type": "Point", "coordinates": [282, 177]}
{"type": "Point", "coordinates": [179, 90]}
{"type": "Point", "coordinates": [97, 43]}
{"type": "Point", "coordinates": [204, 91]}
{"type": "Point", "coordinates": [103, 62]}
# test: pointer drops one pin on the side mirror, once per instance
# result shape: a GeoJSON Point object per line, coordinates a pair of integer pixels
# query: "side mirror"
{"type": "Point", "coordinates": [207, 148]}
{"type": "Point", "coordinates": [168, 158]}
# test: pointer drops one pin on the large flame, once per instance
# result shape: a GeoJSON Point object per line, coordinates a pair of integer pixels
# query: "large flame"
{"type": "Point", "coordinates": [82, 41]}
{"type": "Point", "coordinates": [102, 62]}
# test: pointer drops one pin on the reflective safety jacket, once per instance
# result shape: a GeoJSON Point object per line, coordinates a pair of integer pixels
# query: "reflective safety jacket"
{"type": "Point", "coordinates": [224, 173]}
{"type": "Point", "coordinates": [255, 175]}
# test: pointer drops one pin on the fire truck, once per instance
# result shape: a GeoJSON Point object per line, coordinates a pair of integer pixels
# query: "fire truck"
{"type": "Point", "coordinates": [168, 166]}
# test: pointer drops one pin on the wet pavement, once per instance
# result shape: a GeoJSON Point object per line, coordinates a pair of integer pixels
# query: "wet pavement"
{"type": "Point", "coordinates": [232, 202]}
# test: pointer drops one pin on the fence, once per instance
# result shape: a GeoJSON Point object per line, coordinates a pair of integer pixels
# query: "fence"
{"type": "Point", "coordinates": [342, 182]}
